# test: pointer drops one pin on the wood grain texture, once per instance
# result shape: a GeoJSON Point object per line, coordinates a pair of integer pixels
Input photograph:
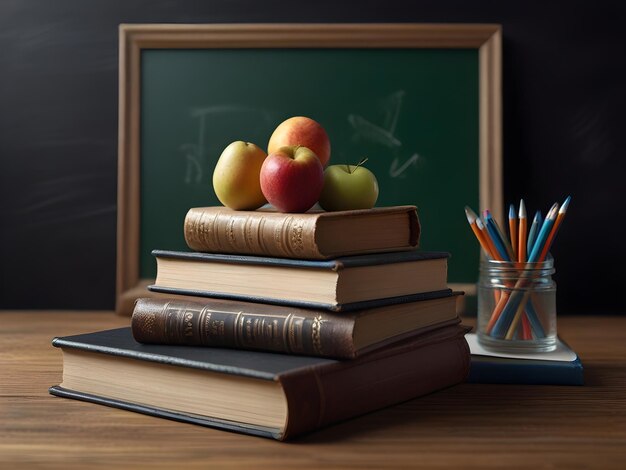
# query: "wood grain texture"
{"type": "Point", "coordinates": [467, 426]}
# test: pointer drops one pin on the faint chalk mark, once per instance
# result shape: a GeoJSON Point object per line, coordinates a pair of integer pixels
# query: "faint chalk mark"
{"type": "Point", "coordinates": [383, 135]}
{"type": "Point", "coordinates": [396, 171]}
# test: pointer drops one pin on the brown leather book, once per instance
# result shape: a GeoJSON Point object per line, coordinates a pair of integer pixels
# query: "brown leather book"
{"type": "Point", "coordinates": [291, 330]}
{"type": "Point", "coordinates": [260, 393]}
{"type": "Point", "coordinates": [312, 235]}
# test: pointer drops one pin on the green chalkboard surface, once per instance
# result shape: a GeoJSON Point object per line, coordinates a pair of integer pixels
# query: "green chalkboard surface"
{"type": "Point", "coordinates": [421, 101]}
{"type": "Point", "coordinates": [412, 112]}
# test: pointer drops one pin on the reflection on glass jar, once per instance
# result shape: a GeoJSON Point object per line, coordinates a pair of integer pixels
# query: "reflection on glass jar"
{"type": "Point", "coordinates": [517, 306]}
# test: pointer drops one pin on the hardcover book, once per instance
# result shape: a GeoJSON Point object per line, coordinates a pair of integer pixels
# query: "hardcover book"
{"type": "Point", "coordinates": [290, 330]}
{"type": "Point", "coordinates": [259, 393]}
{"type": "Point", "coordinates": [349, 283]}
{"type": "Point", "coordinates": [312, 235]}
{"type": "Point", "coordinates": [559, 367]}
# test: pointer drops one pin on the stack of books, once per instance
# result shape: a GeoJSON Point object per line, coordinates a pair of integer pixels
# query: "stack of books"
{"type": "Point", "coordinates": [278, 324]}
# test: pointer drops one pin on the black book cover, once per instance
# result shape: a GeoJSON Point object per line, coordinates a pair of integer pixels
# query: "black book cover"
{"type": "Point", "coordinates": [318, 391]}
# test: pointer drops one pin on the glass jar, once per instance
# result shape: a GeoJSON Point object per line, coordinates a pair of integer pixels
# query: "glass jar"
{"type": "Point", "coordinates": [517, 306]}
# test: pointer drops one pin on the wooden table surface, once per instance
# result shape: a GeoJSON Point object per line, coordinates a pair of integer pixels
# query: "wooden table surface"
{"type": "Point", "coordinates": [467, 426]}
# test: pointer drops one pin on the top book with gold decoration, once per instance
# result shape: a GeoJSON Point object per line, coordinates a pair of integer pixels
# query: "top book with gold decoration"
{"type": "Point", "coordinates": [311, 235]}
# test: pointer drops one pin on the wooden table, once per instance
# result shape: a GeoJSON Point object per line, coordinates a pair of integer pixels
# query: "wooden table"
{"type": "Point", "coordinates": [467, 426]}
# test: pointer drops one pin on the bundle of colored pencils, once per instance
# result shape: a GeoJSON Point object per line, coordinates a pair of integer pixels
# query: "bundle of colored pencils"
{"type": "Point", "coordinates": [523, 249]}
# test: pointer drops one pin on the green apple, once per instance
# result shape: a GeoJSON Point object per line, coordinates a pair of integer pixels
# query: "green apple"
{"type": "Point", "coordinates": [348, 187]}
{"type": "Point", "coordinates": [236, 176]}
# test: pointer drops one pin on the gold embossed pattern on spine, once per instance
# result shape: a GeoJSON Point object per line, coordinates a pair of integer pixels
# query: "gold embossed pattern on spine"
{"type": "Point", "coordinates": [316, 334]}
{"type": "Point", "coordinates": [279, 329]}
{"type": "Point", "coordinates": [259, 233]}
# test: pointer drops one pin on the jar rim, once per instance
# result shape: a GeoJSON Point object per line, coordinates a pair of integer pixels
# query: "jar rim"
{"type": "Point", "coordinates": [513, 269]}
{"type": "Point", "coordinates": [492, 263]}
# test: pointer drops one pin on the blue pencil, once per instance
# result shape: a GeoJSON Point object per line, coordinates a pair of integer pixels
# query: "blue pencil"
{"type": "Point", "coordinates": [533, 231]}
{"type": "Point", "coordinates": [546, 227]}
{"type": "Point", "coordinates": [496, 236]}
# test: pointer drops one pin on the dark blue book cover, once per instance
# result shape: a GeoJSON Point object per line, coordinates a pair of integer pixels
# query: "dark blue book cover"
{"type": "Point", "coordinates": [559, 367]}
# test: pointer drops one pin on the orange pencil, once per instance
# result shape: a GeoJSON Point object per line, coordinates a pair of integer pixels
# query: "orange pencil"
{"type": "Point", "coordinates": [513, 231]}
{"type": "Point", "coordinates": [483, 238]}
{"type": "Point", "coordinates": [473, 220]}
{"type": "Point", "coordinates": [521, 239]}
{"type": "Point", "coordinates": [488, 241]}
{"type": "Point", "coordinates": [521, 258]}
{"type": "Point", "coordinates": [504, 298]}
{"type": "Point", "coordinates": [555, 229]}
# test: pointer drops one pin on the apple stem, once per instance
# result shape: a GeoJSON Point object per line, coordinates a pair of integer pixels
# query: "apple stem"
{"type": "Point", "coordinates": [363, 160]}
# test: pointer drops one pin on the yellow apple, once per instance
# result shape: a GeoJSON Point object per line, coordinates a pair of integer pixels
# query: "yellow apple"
{"type": "Point", "coordinates": [236, 176]}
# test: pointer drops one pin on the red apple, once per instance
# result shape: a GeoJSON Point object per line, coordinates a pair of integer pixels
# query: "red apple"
{"type": "Point", "coordinates": [304, 131]}
{"type": "Point", "coordinates": [292, 178]}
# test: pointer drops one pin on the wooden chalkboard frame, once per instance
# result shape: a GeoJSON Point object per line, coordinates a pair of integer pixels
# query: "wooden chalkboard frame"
{"type": "Point", "coordinates": [133, 38]}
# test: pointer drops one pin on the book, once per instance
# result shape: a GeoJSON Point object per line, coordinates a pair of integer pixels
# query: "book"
{"type": "Point", "coordinates": [260, 393]}
{"type": "Point", "coordinates": [348, 283]}
{"type": "Point", "coordinates": [559, 367]}
{"type": "Point", "coordinates": [290, 330]}
{"type": "Point", "coordinates": [312, 235]}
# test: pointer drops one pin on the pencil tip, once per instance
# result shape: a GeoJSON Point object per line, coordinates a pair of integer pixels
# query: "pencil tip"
{"type": "Point", "coordinates": [487, 214]}
{"type": "Point", "coordinates": [522, 209]}
{"type": "Point", "coordinates": [511, 211]}
{"type": "Point", "coordinates": [553, 211]}
{"type": "Point", "coordinates": [470, 214]}
{"type": "Point", "coordinates": [565, 205]}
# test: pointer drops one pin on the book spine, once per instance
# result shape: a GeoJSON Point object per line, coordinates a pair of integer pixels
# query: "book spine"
{"type": "Point", "coordinates": [256, 233]}
{"type": "Point", "coordinates": [234, 325]}
{"type": "Point", "coordinates": [331, 396]}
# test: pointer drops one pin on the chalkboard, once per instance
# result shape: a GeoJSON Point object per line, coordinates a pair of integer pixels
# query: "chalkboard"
{"type": "Point", "coordinates": [420, 102]}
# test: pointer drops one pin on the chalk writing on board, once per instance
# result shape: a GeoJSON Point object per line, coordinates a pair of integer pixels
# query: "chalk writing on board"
{"type": "Point", "coordinates": [196, 154]}
{"type": "Point", "coordinates": [380, 134]}
{"type": "Point", "coordinates": [384, 134]}
{"type": "Point", "coordinates": [396, 171]}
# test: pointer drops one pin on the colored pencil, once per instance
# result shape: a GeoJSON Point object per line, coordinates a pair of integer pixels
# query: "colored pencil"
{"type": "Point", "coordinates": [497, 312]}
{"type": "Point", "coordinates": [498, 239]}
{"type": "Point", "coordinates": [521, 238]}
{"type": "Point", "coordinates": [526, 329]}
{"type": "Point", "coordinates": [517, 317]}
{"type": "Point", "coordinates": [534, 228]}
{"type": "Point", "coordinates": [513, 231]}
{"type": "Point", "coordinates": [527, 309]}
{"type": "Point", "coordinates": [492, 249]}
{"type": "Point", "coordinates": [543, 234]}
{"type": "Point", "coordinates": [521, 258]}
{"type": "Point", "coordinates": [555, 229]}
{"type": "Point", "coordinates": [473, 221]}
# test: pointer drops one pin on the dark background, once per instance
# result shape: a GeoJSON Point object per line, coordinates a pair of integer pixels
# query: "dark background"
{"type": "Point", "coordinates": [564, 131]}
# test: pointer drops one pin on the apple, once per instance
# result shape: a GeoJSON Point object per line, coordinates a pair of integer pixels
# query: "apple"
{"type": "Point", "coordinates": [348, 187]}
{"type": "Point", "coordinates": [304, 131]}
{"type": "Point", "coordinates": [292, 178]}
{"type": "Point", "coordinates": [236, 176]}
